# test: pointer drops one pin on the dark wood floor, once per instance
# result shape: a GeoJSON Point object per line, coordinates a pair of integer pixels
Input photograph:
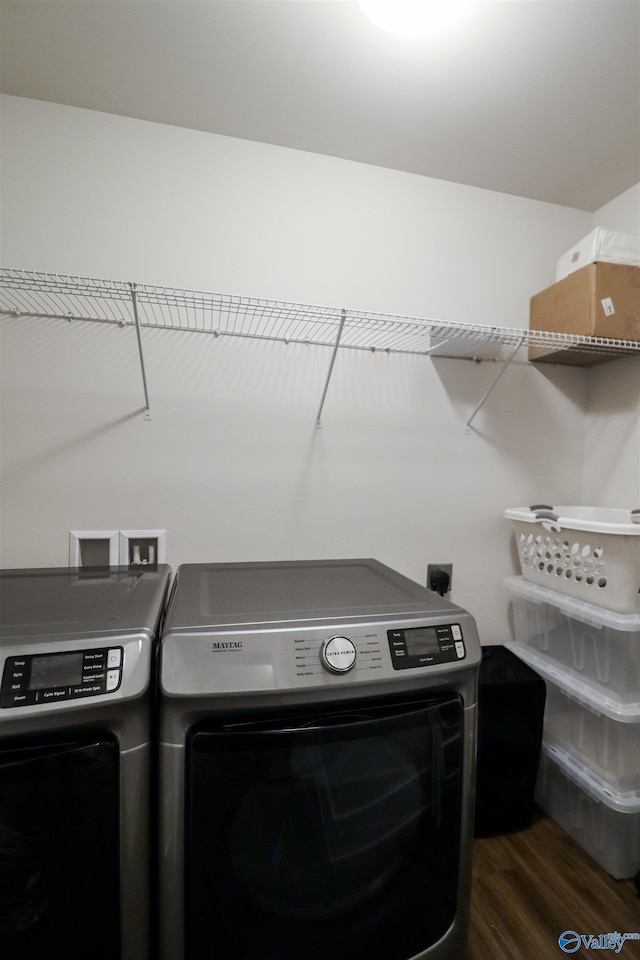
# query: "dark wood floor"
{"type": "Point", "coordinates": [531, 886]}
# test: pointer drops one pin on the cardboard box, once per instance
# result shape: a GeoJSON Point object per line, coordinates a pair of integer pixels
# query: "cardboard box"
{"type": "Point", "coordinates": [600, 300]}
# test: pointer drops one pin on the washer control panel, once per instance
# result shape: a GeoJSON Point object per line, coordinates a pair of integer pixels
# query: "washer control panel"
{"type": "Point", "coordinates": [49, 677]}
{"type": "Point", "coordinates": [423, 646]}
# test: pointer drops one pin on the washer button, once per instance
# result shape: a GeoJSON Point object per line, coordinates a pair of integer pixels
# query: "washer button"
{"type": "Point", "coordinates": [113, 679]}
{"type": "Point", "coordinates": [114, 658]}
{"type": "Point", "coordinates": [456, 632]}
{"type": "Point", "coordinates": [459, 649]}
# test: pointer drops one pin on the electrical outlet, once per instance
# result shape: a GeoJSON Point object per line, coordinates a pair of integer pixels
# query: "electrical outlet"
{"type": "Point", "coordinates": [437, 574]}
{"type": "Point", "coordinates": [142, 547]}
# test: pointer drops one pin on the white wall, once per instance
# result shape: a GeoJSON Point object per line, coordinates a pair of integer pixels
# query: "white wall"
{"type": "Point", "coordinates": [623, 213]}
{"type": "Point", "coordinates": [231, 464]}
{"type": "Point", "coordinates": [612, 440]}
{"type": "Point", "coordinates": [87, 193]}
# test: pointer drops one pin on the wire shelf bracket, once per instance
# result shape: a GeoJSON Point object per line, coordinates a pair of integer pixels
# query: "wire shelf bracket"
{"type": "Point", "coordinates": [134, 304]}
{"type": "Point", "coordinates": [331, 363]}
{"type": "Point", "coordinates": [503, 370]}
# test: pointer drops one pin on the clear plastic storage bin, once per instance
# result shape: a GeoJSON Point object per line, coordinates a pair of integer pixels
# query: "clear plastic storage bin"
{"type": "Point", "coordinates": [590, 553]}
{"type": "Point", "coordinates": [600, 649]}
{"type": "Point", "coordinates": [604, 823]}
{"type": "Point", "coordinates": [607, 741]}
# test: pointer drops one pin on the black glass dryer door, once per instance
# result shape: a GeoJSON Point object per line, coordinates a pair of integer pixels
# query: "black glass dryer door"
{"type": "Point", "coordinates": [59, 850]}
{"type": "Point", "coordinates": [332, 836]}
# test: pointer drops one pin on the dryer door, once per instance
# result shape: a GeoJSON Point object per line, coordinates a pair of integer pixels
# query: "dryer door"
{"type": "Point", "coordinates": [334, 834]}
{"type": "Point", "coordinates": [59, 849]}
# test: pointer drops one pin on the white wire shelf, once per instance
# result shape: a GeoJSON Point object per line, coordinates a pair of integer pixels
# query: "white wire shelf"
{"type": "Point", "coordinates": [31, 294]}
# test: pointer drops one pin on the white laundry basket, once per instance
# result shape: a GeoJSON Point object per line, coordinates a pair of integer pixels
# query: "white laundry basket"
{"type": "Point", "coordinates": [590, 553]}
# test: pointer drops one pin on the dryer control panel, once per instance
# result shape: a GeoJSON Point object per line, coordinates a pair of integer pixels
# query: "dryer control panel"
{"type": "Point", "coordinates": [423, 646]}
{"type": "Point", "coordinates": [50, 677]}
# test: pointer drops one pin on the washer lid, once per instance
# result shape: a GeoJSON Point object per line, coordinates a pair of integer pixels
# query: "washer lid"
{"type": "Point", "coordinates": [61, 601]}
{"type": "Point", "coordinates": [295, 592]}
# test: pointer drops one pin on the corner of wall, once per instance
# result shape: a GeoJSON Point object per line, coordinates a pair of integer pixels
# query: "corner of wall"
{"type": "Point", "coordinates": [622, 213]}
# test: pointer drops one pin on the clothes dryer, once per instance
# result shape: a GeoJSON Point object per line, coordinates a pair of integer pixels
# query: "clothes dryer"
{"type": "Point", "coordinates": [76, 661]}
{"type": "Point", "coordinates": [317, 751]}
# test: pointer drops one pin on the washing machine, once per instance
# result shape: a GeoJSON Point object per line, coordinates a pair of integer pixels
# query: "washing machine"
{"type": "Point", "coordinates": [76, 665]}
{"type": "Point", "coordinates": [317, 730]}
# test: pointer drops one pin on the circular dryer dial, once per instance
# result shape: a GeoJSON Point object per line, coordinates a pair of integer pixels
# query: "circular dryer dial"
{"type": "Point", "coordinates": [338, 654]}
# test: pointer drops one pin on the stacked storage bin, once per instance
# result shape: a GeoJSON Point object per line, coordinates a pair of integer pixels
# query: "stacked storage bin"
{"type": "Point", "coordinates": [577, 623]}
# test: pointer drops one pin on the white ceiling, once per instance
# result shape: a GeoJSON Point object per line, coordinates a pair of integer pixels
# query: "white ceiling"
{"type": "Point", "coordinates": [538, 98]}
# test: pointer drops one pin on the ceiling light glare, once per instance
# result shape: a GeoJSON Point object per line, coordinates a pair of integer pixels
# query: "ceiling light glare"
{"type": "Point", "coordinates": [417, 18]}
